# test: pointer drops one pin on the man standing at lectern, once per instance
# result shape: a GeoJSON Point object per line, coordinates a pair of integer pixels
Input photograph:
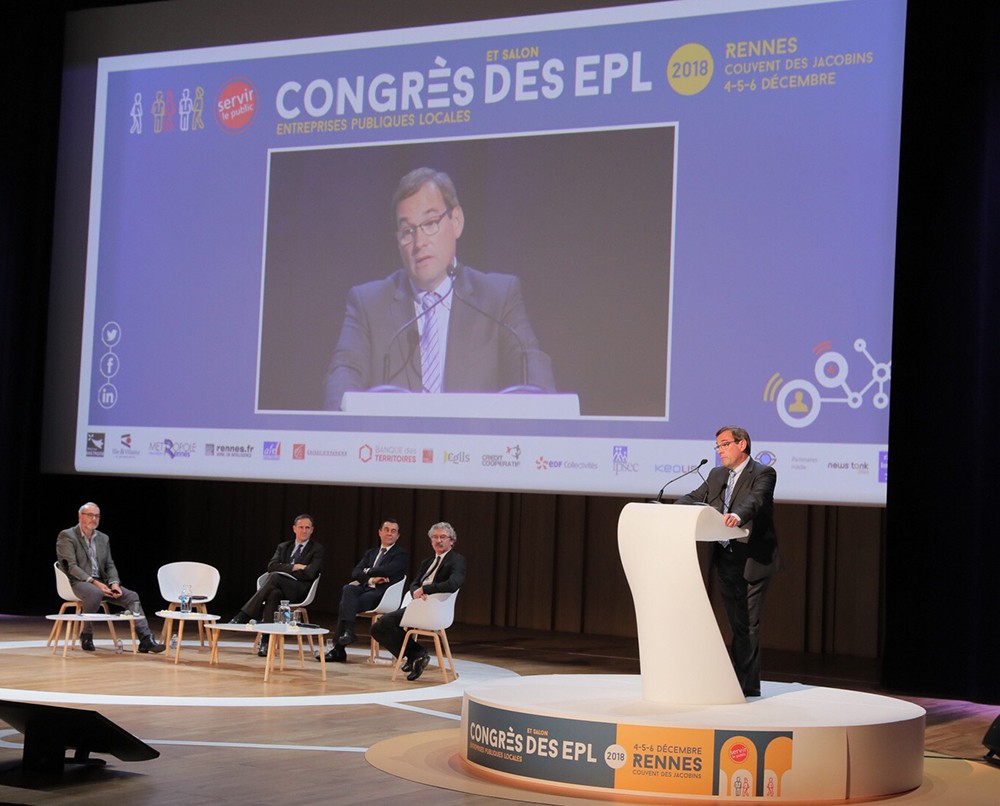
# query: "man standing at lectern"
{"type": "Point", "coordinates": [743, 491]}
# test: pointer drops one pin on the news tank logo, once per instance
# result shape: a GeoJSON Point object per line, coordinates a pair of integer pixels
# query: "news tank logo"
{"type": "Point", "coordinates": [95, 443]}
{"type": "Point", "coordinates": [236, 105]}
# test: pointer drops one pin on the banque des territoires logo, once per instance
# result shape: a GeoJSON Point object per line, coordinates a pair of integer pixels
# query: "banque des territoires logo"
{"type": "Point", "coordinates": [236, 105]}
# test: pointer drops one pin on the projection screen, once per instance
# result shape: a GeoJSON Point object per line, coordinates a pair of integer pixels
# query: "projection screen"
{"type": "Point", "coordinates": [690, 206]}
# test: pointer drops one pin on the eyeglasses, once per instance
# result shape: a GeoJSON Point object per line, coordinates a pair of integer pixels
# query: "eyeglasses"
{"type": "Point", "coordinates": [96, 515]}
{"type": "Point", "coordinates": [723, 445]}
{"type": "Point", "coordinates": [431, 226]}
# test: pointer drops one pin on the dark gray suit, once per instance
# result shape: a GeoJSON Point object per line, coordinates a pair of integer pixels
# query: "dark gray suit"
{"type": "Point", "coordinates": [482, 354]}
{"type": "Point", "coordinates": [744, 566]}
{"type": "Point", "coordinates": [73, 557]}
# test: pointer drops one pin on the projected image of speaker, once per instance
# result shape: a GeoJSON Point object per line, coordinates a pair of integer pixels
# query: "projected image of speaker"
{"type": "Point", "coordinates": [50, 730]}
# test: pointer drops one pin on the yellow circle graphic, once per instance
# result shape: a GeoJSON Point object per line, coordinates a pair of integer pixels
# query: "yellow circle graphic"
{"type": "Point", "coordinates": [690, 69]}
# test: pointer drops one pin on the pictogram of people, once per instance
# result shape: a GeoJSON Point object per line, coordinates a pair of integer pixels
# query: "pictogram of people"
{"type": "Point", "coordinates": [136, 114]}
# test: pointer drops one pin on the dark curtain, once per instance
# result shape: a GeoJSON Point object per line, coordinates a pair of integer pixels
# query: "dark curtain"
{"type": "Point", "coordinates": [942, 569]}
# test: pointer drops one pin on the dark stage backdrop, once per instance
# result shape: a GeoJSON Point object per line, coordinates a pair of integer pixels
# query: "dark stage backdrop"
{"type": "Point", "coordinates": [539, 562]}
{"type": "Point", "coordinates": [914, 585]}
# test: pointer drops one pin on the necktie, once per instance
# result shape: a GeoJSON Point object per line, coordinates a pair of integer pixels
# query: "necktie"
{"type": "Point", "coordinates": [430, 344]}
{"type": "Point", "coordinates": [729, 490]}
{"type": "Point", "coordinates": [296, 553]}
{"type": "Point", "coordinates": [429, 576]}
{"type": "Point", "coordinates": [381, 554]}
{"type": "Point", "coordinates": [728, 500]}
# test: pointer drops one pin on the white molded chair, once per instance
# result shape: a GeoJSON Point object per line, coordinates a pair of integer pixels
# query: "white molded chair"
{"type": "Point", "coordinates": [303, 605]}
{"type": "Point", "coordinates": [392, 599]}
{"type": "Point", "coordinates": [203, 579]}
{"type": "Point", "coordinates": [430, 618]}
{"type": "Point", "coordinates": [70, 602]}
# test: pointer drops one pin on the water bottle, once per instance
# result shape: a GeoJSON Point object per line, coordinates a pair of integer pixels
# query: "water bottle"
{"type": "Point", "coordinates": [185, 598]}
{"type": "Point", "coordinates": [286, 612]}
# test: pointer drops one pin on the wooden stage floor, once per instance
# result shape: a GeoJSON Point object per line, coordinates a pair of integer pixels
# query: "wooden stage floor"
{"type": "Point", "coordinates": [226, 736]}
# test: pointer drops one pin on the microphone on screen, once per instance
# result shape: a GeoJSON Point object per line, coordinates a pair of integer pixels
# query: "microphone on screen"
{"type": "Point", "coordinates": [413, 342]}
{"type": "Point", "coordinates": [697, 467]}
{"type": "Point", "coordinates": [453, 272]}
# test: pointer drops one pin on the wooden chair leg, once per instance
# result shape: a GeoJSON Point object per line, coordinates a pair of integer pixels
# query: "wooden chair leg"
{"type": "Point", "coordinates": [440, 657]}
{"type": "Point", "coordinates": [201, 608]}
{"type": "Point", "coordinates": [402, 654]}
{"type": "Point", "coordinates": [57, 625]}
{"type": "Point", "coordinates": [447, 652]}
{"type": "Point", "coordinates": [305, 615]}
{"type": "Point", "coordinates": [163, 632]}
{"type": "Point", "coordinates": [374, 647]}
{"type": "Point", "coordinates": [111, 626]}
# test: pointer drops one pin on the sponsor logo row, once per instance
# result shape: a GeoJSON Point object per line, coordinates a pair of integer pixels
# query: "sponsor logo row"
{"type": "Point", "coordinates": [508, 456]}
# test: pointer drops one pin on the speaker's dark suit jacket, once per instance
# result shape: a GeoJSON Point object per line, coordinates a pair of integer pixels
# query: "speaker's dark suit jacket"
{"type": "Point", "coordinates": [753, 502]}
{"type": "Point", "coordinates": [482, 354]}
{"type": "Point", "coordinates": [744, 567]}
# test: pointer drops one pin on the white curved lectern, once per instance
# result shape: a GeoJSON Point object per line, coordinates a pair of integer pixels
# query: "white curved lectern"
{"type": "Point", "coordinates": [682, 657]}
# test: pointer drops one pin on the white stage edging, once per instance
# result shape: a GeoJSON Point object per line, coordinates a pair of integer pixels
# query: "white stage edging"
{"type": "Point", "coordinates": [595, 733]}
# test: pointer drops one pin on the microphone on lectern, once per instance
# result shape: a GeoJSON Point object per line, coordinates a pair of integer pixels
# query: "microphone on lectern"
{"type": "Point", "coordinates": [659, 498]}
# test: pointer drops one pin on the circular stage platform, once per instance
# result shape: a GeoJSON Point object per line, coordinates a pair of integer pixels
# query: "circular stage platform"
{"type": "Point", "coordinates": [591, 734]}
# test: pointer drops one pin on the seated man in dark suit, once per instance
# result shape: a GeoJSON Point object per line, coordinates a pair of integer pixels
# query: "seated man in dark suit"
{"type": "Point", "coordinates": [435, 325]}
{"type": "Point", "coordinates": [294, 566]}
{"type": "Point", "coordinates": [84, 553]}
{"type": "Point", "coordinates": [442, 573]}
{"type": "Point", "coordinates": [378, 569]}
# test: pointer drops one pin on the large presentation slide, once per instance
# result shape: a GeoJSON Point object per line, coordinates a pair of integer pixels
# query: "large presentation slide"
{"type": "Point", "coordinates": [664, 219]}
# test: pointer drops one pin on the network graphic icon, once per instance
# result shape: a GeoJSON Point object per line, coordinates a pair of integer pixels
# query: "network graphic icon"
{"type": "Point", "coordinates": [799, 402]}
